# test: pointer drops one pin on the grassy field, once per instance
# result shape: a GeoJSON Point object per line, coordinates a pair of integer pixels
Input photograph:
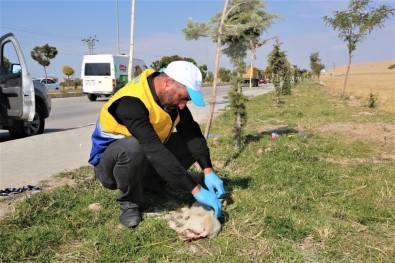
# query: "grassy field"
{"type": "Point", "coordinates": [324, 191]}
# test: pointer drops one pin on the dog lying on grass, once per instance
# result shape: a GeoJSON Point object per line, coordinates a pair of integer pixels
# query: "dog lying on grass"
{"type": "Point", "coordinates": [195, 222]}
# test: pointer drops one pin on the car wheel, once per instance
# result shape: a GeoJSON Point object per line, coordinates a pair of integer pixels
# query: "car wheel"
{"type": "Point", "coordinates": [92, 97]}
{"type": "Point", "coordinates": [23, 129]}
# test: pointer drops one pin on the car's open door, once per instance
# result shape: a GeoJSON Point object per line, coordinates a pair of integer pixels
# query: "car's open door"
{"type": "Point", "coordinates": [16, 85]}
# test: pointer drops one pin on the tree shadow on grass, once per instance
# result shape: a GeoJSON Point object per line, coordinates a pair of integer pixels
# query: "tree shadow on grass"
{"type": "Point", "coordinates": [249, 138]}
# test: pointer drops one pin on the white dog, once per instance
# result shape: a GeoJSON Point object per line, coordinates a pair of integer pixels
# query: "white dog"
{"type": "Point", "coordinates": [195, 222]}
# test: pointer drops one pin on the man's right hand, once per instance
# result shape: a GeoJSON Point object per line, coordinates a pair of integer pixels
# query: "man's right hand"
{"type": "Point", "coordinates": [210, 199]}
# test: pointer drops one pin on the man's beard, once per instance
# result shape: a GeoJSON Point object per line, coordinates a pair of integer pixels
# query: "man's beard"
{"type": "Point", "coordinates": [164, 100]}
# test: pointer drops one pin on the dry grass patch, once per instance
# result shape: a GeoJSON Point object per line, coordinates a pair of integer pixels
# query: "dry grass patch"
{"type": "Point", "coordinates": [365, 79]}
{"type": "Point", "coordinates": [382, 133]}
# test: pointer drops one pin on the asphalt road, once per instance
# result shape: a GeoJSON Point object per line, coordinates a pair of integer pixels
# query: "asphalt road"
{"type": "Point", "coordinates": [75, 112]}
{"type": "Point", "coordinates": [29, 161]}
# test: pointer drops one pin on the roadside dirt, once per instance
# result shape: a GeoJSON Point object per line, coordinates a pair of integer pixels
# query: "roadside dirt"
{"type": "Point", "coordinates": [378, 133]}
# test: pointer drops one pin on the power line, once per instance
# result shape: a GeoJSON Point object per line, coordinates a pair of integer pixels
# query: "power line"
{"type": "Point", "coordinates": [33, 31]}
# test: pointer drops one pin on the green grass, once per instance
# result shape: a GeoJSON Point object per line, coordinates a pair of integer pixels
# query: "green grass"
{"type": "Point", "coordinates": [310, 196]}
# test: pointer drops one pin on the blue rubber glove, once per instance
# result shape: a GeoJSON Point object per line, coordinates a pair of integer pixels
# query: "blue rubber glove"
{"type": "Point", "coordinates": [214, 184]}
{"type": "Point", "coordinates": [208, 198]}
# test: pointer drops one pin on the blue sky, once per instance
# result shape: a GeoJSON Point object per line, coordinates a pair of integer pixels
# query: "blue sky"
{"type": "Point", "coordinates": [158, 31]}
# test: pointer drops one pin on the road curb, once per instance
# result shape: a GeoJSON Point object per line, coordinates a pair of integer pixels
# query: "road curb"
{"type": "Point", "coordinates": [66, 94]}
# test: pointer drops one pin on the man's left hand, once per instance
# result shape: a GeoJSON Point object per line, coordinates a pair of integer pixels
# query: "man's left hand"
{"type": "Point", "coordinates": [214, 184]}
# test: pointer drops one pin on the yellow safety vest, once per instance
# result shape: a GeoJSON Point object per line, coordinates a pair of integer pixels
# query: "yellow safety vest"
{"type": "Point", "coordinates": [138, 88]}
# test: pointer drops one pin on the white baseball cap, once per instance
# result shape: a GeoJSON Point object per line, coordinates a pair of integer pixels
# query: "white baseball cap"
{"type": "Point", "coordinates": [189, 75]}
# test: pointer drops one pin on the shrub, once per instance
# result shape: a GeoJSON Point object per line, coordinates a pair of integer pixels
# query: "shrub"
{"type": "Point", "coordinates": [71, 83]}
{"type": "Point", "coordinates": [372, 101]}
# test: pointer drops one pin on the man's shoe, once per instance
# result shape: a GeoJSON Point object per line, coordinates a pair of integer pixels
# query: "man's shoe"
{"type": "Point", "coordinates": [130, 215]}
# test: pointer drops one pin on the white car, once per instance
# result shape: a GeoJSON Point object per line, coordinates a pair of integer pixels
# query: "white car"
{"type": "Point", "coordinates": [24, 104]}
{"type": "Point", "coordinates": [49, 83]}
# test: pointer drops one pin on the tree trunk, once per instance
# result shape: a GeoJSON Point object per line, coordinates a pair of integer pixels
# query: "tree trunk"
{"type": "Point", "coordinates": [238, 130]}
{"type": "Point", "coordinates": [345, 80]}
{"type": "Point", "coordinates": [250, 69]}
{"type": "Point", "coordinates": [46, 77]}
{"type": "Point", "coordinates": [214, 89]}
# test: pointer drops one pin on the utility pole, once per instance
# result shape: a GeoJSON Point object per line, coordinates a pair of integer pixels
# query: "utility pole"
{"type": "Point", "coordinates": [91, 43]}
{"type": "Point", "coordinates": [119, 52]}
{"type": "Point", "coordinates": [131, 43]}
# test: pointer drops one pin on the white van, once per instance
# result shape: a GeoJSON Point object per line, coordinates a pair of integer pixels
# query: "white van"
{"type": "Point", "coordinates": [103, 75]}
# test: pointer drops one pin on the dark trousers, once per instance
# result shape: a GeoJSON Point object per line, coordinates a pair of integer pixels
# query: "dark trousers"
{"type": "Point", "coordinates": [123, 166]}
